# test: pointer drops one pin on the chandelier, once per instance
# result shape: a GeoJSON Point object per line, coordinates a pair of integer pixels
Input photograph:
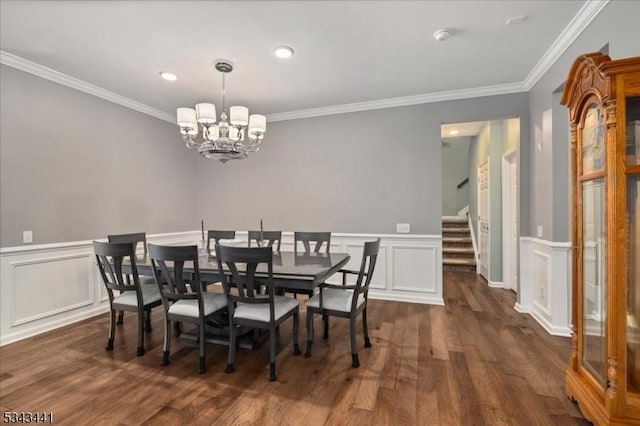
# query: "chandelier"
{"type": "Point", "coordinates": [234, 135]}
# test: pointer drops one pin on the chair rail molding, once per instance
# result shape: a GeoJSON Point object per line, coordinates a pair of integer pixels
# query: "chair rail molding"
{"type": "Point", "coordinates": [545, 284]}
{"type": "Point", "coordinates": [43, 287]}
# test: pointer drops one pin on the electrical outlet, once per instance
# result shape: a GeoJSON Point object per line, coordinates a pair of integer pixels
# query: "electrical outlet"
{"type": "Point", "coordinates": [540, 231]}
{"type": "Point", "coordinates": [27, 237]}
{"type": "Point", "coordinates": [542, 294]}
{"type": "Point", "coordinates": [403, 228]}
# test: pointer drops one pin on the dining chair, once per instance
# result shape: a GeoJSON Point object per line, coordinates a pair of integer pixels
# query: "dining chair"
{"type": "Point", "coordinates": [135, 238]}
{"type": "Point", "coordinates": [346, 301]}
{"type": "Point", "coordinates": [132, 295]}
{"type": "Point", "coordinates": [183, 303]}
{"type": "Point", "coordinates": [247, 307]}
{"type": "Point", "coordinates": [306, 238]}
{"type": "Point", "coordinates": [265, 238]}
{"type": "Point", "coordinates": [217, 236]}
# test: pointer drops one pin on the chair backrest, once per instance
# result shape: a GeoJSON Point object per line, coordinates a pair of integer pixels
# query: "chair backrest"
{"type": "Point", "coordinates": [270, 237]}
{"type": "Point", "coordinates": [135, 238]}
{"type": "Point", "coordinates": [367, 266]}
{"type": "Point", "coordinates": [110, 257]}
{"type": "Point", "coordinates": [217, 236]}
{"type": "Point", "coordinates": [246, 284]}
{"type": "Point", "coordinates": [171, 282]}
{"type": "Point", "coordinates": [319, 238]}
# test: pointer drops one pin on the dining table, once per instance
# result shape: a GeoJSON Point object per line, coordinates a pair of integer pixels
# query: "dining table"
{"type": "Point", "coordinates": [291, 271]}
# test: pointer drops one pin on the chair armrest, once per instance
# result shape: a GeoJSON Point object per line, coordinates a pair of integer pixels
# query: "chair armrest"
{"type": "Point", "coordinates": [348, 271]}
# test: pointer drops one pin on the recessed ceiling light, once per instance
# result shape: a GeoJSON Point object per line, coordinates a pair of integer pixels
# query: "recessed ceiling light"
{"type": "Point", "coordinates": [516, 20]}
{"type": "Point", "coordinates": [283, 51]}
{"type": "Point", "coordinates": [169, 76]}
{"type": "Point", "coordinates": [442, 34]}
{"type": "Point", "coordinates": [454, 132]}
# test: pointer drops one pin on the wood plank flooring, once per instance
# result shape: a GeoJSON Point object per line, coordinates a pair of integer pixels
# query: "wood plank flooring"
{"type": "Point", "coordinates": [475, 361]}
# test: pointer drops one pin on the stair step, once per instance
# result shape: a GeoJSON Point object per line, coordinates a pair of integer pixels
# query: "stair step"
{"type": "Point", "coordinates": [470, 262]}
{"type": "Point", "coordinates": [460, 230]}
{"type": "Point", "coordinates": [458, 250]}
{"type": "Point", "coordinates": [454, 219]}
{"type": "Point", "coordinates": [459, 268]}
{"type": "Point", "coordinates": [456, 240]}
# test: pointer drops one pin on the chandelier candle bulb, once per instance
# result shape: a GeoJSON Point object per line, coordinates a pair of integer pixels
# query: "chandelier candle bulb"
{"type": "Point", "coordinates": [257, 123]}
{"type": "Point", "coordinates": [187, 117]}
{"type": "Point", "coordinates": [206, 113]}
{"type": "Point", "coordinates": [239, 115]}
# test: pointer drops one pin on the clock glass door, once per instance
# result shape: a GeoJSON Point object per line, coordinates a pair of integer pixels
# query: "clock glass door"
{"type": "Point", "coordinates": [632, 153]}
{"type": "Point", "coordinates": [594, 273]}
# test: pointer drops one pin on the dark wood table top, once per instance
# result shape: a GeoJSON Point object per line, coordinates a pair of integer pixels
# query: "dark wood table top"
{"type": "Point", "coordinates": [313, 267]}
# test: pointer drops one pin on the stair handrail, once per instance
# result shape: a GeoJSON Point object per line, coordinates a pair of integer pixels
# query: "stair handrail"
{"type": "Point", "coordinates": [463, 183]}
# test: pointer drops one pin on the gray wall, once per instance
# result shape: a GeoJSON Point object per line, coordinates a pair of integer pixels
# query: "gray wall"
{"type": "Point", "coordinates": [455, 169]}
{"type": "Point", "coordinates": [617, 24]}
{"type": "Point", "coordinates": [355, 172]}
{"type": "Point", "coordinates": [76, 167]}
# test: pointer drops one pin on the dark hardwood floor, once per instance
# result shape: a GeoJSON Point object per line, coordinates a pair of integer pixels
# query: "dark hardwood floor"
{"type": "Point", "coordinates": [474, 361]}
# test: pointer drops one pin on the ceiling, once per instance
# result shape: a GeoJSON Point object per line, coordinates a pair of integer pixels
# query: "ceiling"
{"type": "Point", "coordinates": [345, 51]}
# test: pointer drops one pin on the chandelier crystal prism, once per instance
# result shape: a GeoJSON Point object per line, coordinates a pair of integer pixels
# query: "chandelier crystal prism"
{"type": "Point", "coordinates": [233, 137]}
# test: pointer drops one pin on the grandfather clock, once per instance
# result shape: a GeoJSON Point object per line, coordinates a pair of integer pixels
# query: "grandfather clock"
{"type": "Point", "coordinates": [603, 97]}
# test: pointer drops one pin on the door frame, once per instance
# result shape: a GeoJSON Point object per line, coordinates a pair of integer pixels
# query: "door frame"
{"type": "Point", "coordinates": [508, 159]}
{"type": "Point", "coordinates": [488, 215]}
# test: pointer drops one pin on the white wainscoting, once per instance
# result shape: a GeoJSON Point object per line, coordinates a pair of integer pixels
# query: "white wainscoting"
{"type": "Point", "coordinates": [43, 287]}
{"type": "Point", "coordinates": [545, 283]}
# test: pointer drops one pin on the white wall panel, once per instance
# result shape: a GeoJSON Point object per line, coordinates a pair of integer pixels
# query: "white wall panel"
{"type": "Point", "coordinates": [414, 268]}
{"type": "Point", "coordinates": [48, 286]}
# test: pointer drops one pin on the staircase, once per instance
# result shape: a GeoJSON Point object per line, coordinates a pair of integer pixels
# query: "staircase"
{"type": "Point", "coordinates": [457, 248]}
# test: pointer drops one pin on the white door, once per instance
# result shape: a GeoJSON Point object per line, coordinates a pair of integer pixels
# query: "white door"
{"type": "Point", "coordinates": [483, 219]}
{"type": "Point", "coordinates": [510, 222]}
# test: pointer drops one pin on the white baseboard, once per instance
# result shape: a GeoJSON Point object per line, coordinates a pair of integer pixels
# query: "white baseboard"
{"type": "Point", "coordinates": [521, 309]}
{"type": "Point", "coordinates": [495, 284]}
{"type": "Point", "coordinates": [547, 325]}
{"type": "Point", "coordinates": [53, 324]}
{"type": "Point", "coordinates": [545, 284]}
{"type": "Point", "coordinates": [408, 269]}
{"type": "Point", "coordinates": [398, 297]}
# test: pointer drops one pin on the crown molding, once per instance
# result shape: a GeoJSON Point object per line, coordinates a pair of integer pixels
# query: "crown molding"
{"type": "Point", "coordinates": [579, 22]}
{"type": "Point", "coordinates": [583, 18]}
{"type": "Point", "coordinates": [41, 71]}
{"type": "Point", "coordinates": [426, 98]}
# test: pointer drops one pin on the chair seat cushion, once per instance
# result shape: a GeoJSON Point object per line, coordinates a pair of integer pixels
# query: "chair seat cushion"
{"type": "Point", "coordinates": [150, 294]}
{"type": "Point", "coordinates": [260, 311]}
{"type": "Point", "coordinates": [335, 299]}
{"type": "Point", "coordinates": [189, 307]}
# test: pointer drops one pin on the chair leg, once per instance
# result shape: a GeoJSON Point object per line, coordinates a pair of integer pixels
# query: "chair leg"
{"type": "Point", "coordinates": [167, 342]}
{"type": "Point", "coordinates": [272, 353]}
{"type": "Point", "coordinates": [112, 330]}
{"type": "Point", "coordinates": [147, 318]}
{"type": "Point", "coordinates": [325, 318]}
{"type": "Point", "coordinates": [202, 367]}
{"type": "Point", "coordinates": [177, 328]}
{"type": "Point", "coordinates": [355, 362]}
{"type": "Point", "coordinates": [365, 329]}
{"type": "Point", "coordinates": [232, 349]}
{"type": "Point", "coordinates": [307, 352]}
{"type": "Point", "coordinates": [140, 351]}
{"type": "Point", "coordinates": [296, 326]}
{"type": "Point", "coordinates": [120, 317]}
